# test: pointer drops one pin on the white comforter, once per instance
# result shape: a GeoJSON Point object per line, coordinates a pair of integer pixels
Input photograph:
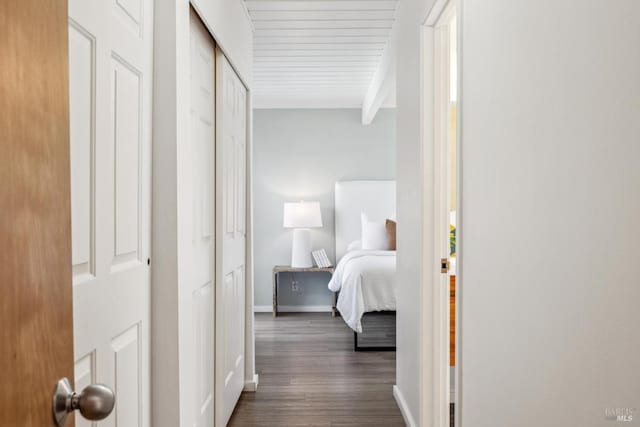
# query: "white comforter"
{"type": "Point", "coordinates": [366, 282]}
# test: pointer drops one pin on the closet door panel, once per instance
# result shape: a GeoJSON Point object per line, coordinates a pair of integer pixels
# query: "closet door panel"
{"type": "Point", "coordinates": [198, 344]}
{"type": "Point", "coordinates": [231, 252]}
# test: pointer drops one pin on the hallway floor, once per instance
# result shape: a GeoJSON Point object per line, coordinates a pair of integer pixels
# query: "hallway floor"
{"type": "Point", "coordinates": [310, 376]}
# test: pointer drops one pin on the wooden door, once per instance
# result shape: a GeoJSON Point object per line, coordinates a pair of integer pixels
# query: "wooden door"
{"type": "Point", "coordinates": [110, 57]}
{"type": "Point", "coordinates": [202, 271]}
{"type": "Point", "coordinates": [35, 221]}
{"type": "Point", "coordinates": [231, 157]}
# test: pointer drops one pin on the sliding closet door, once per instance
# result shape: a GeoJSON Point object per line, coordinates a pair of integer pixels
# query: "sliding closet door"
{"type": "Point", "coordinates": [200, 343]}
{"type": "Point", "coordinates": [110, 71]}
{"type": "Point", "coordinates": [231, 228]}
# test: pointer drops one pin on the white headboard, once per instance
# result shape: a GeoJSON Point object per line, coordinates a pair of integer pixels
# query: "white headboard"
{"type": "Point", "coordinates": [375, 198]}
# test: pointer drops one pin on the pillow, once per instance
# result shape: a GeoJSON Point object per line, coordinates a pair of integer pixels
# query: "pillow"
{"type": "Point", "coordinates": [354, 246]}
{"type": "Point", "coordinates": [374, 234]}
{"type": "Point", "coordinates": [390, 226]}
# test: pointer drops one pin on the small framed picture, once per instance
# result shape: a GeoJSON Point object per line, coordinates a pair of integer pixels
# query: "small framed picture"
{"type": "Point", "coordinates": [321, 258]}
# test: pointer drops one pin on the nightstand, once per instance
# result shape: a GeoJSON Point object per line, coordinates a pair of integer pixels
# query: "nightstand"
{"type": "Point", "coordinates": [286, 269]}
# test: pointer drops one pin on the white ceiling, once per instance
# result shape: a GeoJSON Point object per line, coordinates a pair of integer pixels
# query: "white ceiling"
{"type": "Point", "coordinates": [317, 53]}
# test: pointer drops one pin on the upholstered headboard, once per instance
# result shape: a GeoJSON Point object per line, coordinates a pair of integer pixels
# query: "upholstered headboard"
{"type": "Point", "coordinates": [375, 198]}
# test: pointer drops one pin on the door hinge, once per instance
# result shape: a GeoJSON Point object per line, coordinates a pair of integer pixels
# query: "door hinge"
{"type": "Point", "coordinates": [444, 265]}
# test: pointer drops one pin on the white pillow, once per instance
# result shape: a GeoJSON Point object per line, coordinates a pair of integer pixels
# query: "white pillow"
{"type": "Point", "coordinates": [374, 234]}
{"type": "Point", "coordinates": [354, 246]}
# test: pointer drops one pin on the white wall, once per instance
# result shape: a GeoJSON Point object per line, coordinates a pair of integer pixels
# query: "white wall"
{"type": "Point", "coordinates": [551, 201]}
{"type": "Point", "coordinates": [300, 154]}
{"type": "Point", "coordinates": [173, 371]}
{"type": "Point", "coordinates": [412, 209]}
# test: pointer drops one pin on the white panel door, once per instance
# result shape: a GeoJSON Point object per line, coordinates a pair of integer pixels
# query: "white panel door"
{"type": "Point", "coordinates": [231, 160]}
{"type": "Point", "coordinates": [202, 271]}
{"type": "Point", "coordinates": [110, 56]}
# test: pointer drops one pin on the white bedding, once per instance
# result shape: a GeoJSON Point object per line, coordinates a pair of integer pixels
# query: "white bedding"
{"type": "Point", "coordinates": [366, 282]}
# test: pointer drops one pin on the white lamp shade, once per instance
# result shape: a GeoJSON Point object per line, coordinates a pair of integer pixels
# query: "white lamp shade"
{"type": "Point", "coordinates": [302, 215]}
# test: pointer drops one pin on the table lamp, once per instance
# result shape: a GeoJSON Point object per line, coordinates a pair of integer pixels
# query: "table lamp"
{"type": "Point", "coordinates": [301, 216]}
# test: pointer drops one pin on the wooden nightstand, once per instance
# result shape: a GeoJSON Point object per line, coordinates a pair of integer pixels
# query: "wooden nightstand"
{"type": "Point", "coordinates": [286, 269]}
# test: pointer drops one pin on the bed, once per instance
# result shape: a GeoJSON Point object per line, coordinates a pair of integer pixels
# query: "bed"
{"type": "Point", "coordinates": [365, 280]}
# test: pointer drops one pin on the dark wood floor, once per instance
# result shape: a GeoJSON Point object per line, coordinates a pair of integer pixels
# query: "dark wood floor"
{"type": "Point", "coordinates": [310, 376]}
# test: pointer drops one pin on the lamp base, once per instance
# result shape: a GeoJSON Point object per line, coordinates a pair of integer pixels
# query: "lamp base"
{"type": "Point", "coordinates": [301, 248]}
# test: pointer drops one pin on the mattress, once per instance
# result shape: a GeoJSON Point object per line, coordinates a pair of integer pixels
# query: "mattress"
{"type": "Point", "coordinates": [366, 282]}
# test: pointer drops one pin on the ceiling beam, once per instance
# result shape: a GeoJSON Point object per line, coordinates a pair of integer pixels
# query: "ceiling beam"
{"type": "Point", "coordinates": [382, 82]}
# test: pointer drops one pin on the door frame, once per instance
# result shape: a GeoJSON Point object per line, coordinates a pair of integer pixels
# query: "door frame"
{"type": "Point", "coordinates": [435, 159]}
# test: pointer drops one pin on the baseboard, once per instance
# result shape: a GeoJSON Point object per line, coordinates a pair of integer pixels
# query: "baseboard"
{"type": "Point", "coordinates": [252, 385]}
{"type": "Point", "coordinates": [293, 309]}
{"type": "Point", "coordinates": [404, 409]}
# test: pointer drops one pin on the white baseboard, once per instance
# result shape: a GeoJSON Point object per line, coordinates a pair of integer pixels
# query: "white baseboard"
{"type": "Point", "coordinates": [293, 309]}
{"type": "Point", "coordinates": [404, 409]}
{"type": "Point", "coordinates": [252, 384]}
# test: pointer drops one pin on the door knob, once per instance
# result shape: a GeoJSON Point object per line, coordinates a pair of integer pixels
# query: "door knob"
{"type": "Point", "coordinates": [95, 402]}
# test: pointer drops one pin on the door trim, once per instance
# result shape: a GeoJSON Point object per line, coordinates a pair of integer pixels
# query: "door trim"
{"type": "Point", "coordinates": [250, 376]}
{"type": "Point", "coordinates": [435, 377]}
